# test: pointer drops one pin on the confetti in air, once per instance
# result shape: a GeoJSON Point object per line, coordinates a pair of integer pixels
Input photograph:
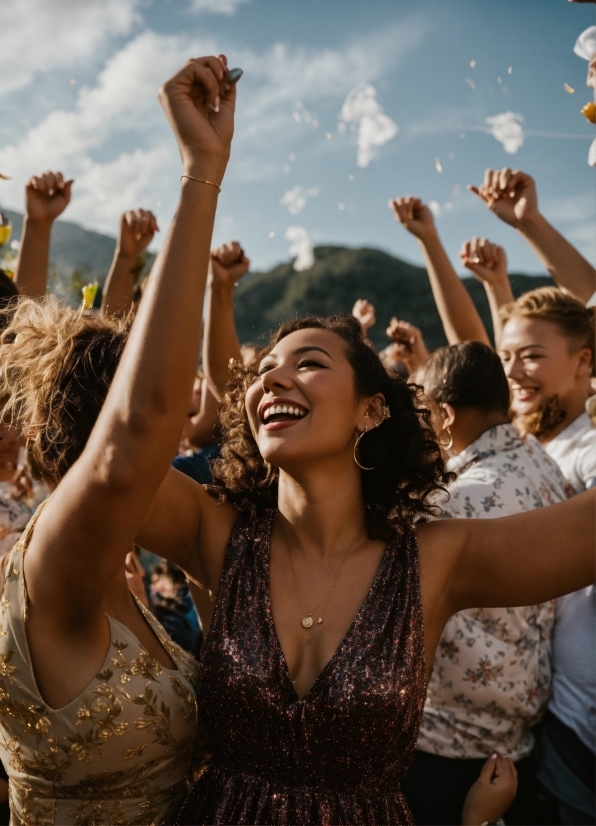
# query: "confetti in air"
{"type": "Point", "coordinates": [507, 129]}
{"type": "Point", "coordinates": [301, 247]}
{"type": "Point", "coordinates": [472, 64]}
{"type": "Point", "coordinates": [438, 166]}
{"type": "Point", "coordinates": [341, 206]}
{"type": "Point", "coordinates": [568, 88]}
{"type": "Point", "coordinates": [435, 208]}
{"type": "Point", "coordinates": [271, 234]}
{"type": "Point", "coordinates": [510, 70]}
{"type": "Point", "coordinates": [585, 45]}
{"type": "Point", "coordinates": [362, 110]}
{"type": "Point", "coordinates": [592, 153]}
{"type": "Point", "coordinates": [470, 83]}
{"type": "Point", "coordinates": [295, 198]}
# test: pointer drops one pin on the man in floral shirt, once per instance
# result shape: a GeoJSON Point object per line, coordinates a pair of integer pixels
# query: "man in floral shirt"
{"type": "Point", "coordinates": [492, 674]}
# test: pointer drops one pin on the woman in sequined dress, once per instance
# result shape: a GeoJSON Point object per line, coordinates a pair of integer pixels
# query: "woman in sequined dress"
{"type": "Point", "coordinates": [330, 589]}
{"type": "Point", "coordinates": [98, 708]}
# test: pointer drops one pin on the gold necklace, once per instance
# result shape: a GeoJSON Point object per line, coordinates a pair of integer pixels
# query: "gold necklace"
{"type": "Point", "coordinates": [307, 620]}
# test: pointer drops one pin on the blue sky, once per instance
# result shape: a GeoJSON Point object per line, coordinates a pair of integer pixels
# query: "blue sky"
{"type": "Point", "coordinates": [78, 83]}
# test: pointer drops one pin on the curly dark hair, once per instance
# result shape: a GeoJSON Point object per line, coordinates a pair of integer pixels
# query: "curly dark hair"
{"type": "Point", "coordinates": [407, 461]}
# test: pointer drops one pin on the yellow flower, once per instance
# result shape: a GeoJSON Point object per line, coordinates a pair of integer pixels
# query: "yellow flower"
{"type": "Point", "coordinates": [89, 293]}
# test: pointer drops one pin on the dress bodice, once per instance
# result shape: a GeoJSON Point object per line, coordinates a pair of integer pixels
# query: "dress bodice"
{"type": "Point", "coordinates": [119, 753]}
{"type": "Point", "coordinates": [337, 754]}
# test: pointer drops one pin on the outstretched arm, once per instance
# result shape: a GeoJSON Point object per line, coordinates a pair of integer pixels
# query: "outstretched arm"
{"type": "Point", "coordinates": [520, 560]}
{"type": "Point", "coordinates": [511, 195]}
{"type": "Point", "coordinates": [92, 518]}
{"type": "Point", "coordinates": [461, 320]}
{"type": "Point", "coordinates": [228, 265]}
{"type": "Point", "coordinates": [46, 197]}
{"type": "Point", "coordinates": [137, 229]}
{"type": "Point", "coordinates": [409, 343]}
{"type": "Point", "coordinates": [364, 312]}
{"type": "Point", "coordinates": [488, 262]}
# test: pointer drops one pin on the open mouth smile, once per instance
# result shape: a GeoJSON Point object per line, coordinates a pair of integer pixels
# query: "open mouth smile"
{"type": "Point", "coordinates": [281, 413]}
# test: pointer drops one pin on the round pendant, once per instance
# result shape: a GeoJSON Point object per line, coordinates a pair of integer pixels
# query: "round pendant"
{"type": "Point", "coordinates": [307, 622]}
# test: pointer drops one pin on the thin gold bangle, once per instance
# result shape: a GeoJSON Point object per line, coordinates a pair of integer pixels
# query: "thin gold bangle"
{"type": "Point", "coordinates": [201, 181]}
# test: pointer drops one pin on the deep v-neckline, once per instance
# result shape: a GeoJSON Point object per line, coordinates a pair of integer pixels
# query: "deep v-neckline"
{"type": "Point", "coordinates": [285, 671]}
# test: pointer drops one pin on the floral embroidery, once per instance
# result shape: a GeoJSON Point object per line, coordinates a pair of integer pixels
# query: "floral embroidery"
{"type": "Point", "coordinates": [120, 754]}
{"type": "Point", "coordinates": [492, 674]}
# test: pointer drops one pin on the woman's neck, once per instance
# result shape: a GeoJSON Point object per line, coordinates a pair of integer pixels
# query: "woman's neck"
{"type": "Point", "coordinates": [322, 510]}
{"type": "Point", "coordinates": [573, 409]}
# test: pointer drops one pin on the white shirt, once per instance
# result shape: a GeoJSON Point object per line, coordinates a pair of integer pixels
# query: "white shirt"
{"type": "Point", "coordinates": [574, 643]}
{"type": "Point", "coordinates": [574, 450]}
{"type": "Point", "coordinates": [491, 678]}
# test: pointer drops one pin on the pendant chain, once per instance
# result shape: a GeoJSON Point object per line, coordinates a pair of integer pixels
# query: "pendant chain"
{"type": "Point", "coordinates": [307, 621]}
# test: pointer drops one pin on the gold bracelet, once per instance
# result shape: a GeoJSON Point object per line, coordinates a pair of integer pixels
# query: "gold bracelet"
{"type": "Point", "coordinates": [201, 181]}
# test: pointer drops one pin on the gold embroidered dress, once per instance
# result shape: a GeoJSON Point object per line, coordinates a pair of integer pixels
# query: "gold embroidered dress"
{"type": "Point", "coordinates": [120, 753]}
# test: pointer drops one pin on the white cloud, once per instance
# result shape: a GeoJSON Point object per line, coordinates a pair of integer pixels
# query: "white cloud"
{"type": "Point", "coordinates": [362, 110]}
{"type": "Point", "coordinates": [507, 129]}
{"type": "Point", "coordinates": [301, 247]}
{"type": "Point", "coordinates": [295, 198]}
{"type": "Point", "coordinates": [216, 6]}
{"type": "Point", "coordinates": [41, 35]}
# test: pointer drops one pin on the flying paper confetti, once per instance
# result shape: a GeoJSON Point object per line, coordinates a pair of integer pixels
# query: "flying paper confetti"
{"type": "Point", "coordinates": [295, 199]}
{"type": "Point", "coordinates": [438, 166]}
{"type": "Point", "coordinates": [89, 293]}
{"type": "Point", "coordinates": [341, 206]}
{"type": "Point", "coordinates": [301, 247]}
{"type": "Point", "coordinates": [592, 154]}
{"type": "Point", "coordinates": [510, 70]}
{"type": "Point", "coordinates": [472, 63]}
{"type": "Point", "coordinates": [362, 110]}
{"type": "Point", "coordinates": [506, 128]}
{"type": "Point", "coordinates": [568, 88]}
{"type": "Point", "coordinates": [470, 83]}
{"type": "Point", "coordinates": [585, 45]}
{"type": "Point", "coordinates": [435, 208]}
{"type": "Point", "coordinates": [272, 234]}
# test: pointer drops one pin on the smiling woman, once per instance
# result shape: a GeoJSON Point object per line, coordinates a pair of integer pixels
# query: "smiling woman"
{"type": "Point", "coordinates": [402, 455]}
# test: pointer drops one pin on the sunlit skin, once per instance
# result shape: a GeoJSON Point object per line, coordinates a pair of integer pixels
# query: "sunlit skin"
{"type": "Point", "coordinates": [309, 370]}
{"type": "Point", "coordinates": [541, 362]}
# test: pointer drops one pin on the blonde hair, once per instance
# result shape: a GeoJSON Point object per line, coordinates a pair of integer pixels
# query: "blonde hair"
{"type": "Point", "coordinates": [574, 319]}
{"type": "Point", "coordinates": [56, 366]}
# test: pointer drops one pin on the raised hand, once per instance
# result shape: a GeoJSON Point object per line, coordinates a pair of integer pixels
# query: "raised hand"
{"type": "Point", "coordinates": [364, 312]}
{"type": "Point", "coordinates": [409, 344]}
{"type": "Point", "coordinates": [137, 228]}
{"type": "Point", "coordinates": [414, 216]}
{"type": "Point", "coordinates": [200, 108]}
{"type": "Point", "coordinates": [46, 196]}
{"type": "Point", "coordinates": [493, 792]}
{"type": "Point", "coordinates": [228, 264]}
{"type": "Point", "coordinates": [486, 261]}
{"type": "Point", "coordinates": [510, 194]}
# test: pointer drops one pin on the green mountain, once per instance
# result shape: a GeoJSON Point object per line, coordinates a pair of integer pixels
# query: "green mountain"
{"type": "Point", "coordinates": [341, 275]}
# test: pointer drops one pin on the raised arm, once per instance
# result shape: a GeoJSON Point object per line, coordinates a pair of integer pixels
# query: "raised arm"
{"type": "Point", "coordinates": [91, 520]}
{"type": "Point", "coordinates": [511, 195]}
{"type": "Point", "coordinates": [461, 320]}
{"type": "Point", "coordinates": [410, 346]}
{"type": "Point", "coordinates": [364, 312]}
{"type": "Point", "coordinates": [136, 232]}
{"type": "Point", "coordinates": [46, 197]}
{"type": "Point", "coordinates": [228, 265]}
{"type": "Point", "coordinates": [488, 262]}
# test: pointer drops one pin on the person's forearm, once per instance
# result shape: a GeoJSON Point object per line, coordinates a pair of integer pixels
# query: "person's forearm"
{"type": "Point", "coordinates": [498, 293]}
{"type": "Point", "coordinates": [31, 273]}
{"type": "Point", "coordinates": [568, 268]}
{"type": "Point", "coordinates": [139, 427]}
{"type": "Point", "coordinates": [461, 320]}
{"type": "Point", "coordinates": [221, 339]}
{"type": "Point", "coordinates": [118, 290]}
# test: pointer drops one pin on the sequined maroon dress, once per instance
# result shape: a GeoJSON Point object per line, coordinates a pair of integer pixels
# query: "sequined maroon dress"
{"type": "Point", "coordinates": [338, 754]}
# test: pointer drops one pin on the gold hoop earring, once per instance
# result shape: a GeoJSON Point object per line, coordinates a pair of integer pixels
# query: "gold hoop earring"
{"type": "Point", "coordinates": [448, 447]}
{"type": "Point", "coordinates": [355, 456]}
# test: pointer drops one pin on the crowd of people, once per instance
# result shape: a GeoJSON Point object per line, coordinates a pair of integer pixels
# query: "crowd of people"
{"type": "Point", "coordinates": [261, 583]}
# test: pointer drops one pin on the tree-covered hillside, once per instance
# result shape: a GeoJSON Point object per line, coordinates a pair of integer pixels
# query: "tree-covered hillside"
{"type": "Point", "coordinates": [340, 276]}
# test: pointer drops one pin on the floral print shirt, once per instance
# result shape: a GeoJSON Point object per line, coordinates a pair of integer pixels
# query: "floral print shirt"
{"type": "Point", "coordinates": [492, 672]}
